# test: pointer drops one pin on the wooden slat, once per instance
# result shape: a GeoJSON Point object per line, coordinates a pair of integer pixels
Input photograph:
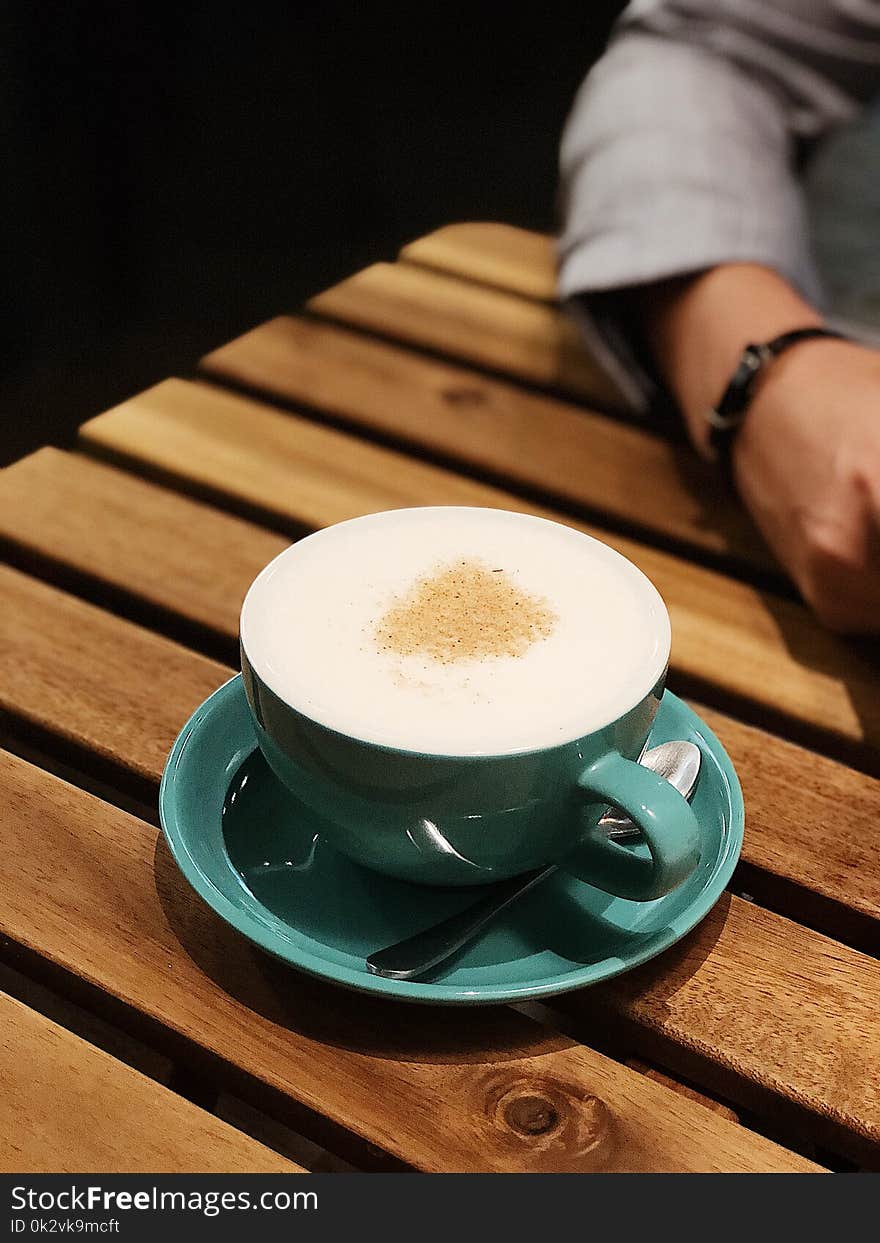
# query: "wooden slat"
{"type": "Point", "coordinates": [90, 1027]}
{"type": "Point", "coordinates": [67, 1107]}
{"type": "Point", "coordinates": [811, 842]}
{"type": "Point", "coordinates": [731, 641]}
{"type": "Point", "coordinates": [806, 982]}
{"type": "Point", "coordinates": [493, 329]}
{"type": "Point", "coordinates": [281, 1138]}
{"type": "Point", "coordinates": [58, 654]}
{"type": "Point", "coordinates": [799, 836]}
{"type": "Point", "coordinates": [150, 544]}
{"type": "Point", "coordinates": [630, 476]}
{"type": "Point", "coordinates": [660, 1077]}
{"type": "Point", "coordinates": [757, 1000]}
{"type": "Point", "coordinates": [439, 1093]}
{"type": "Point", "coordinates": [517, 260]}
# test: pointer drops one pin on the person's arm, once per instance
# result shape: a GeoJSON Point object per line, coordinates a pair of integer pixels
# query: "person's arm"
{"type": "Point", "coordinates": [696, 328]}
{"type": "Point", "coordinates": [679, 153]}
{"type": "Point", "coordinates": [684, 240]}
{"type": "Point", "coordinates": [807, 458]}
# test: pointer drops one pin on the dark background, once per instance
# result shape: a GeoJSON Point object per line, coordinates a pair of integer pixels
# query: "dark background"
{"type": "Point", "coordinates": [173, 174]}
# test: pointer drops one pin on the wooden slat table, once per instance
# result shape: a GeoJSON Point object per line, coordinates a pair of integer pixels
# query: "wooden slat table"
{"type": "Point", "coordinates": [448, 377]}
{"type": "Point", "coordinates": [67, 1107]}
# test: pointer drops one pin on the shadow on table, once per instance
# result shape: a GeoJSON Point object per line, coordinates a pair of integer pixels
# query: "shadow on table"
{"type": "Point", "coordinates": [852, 662]}
{"type": "Point", "coordinates": [653, 985]}
{"type": "Point", "coordinates": [719, 510]}
{"type": "Point", "coordinates": [327, 1012]}
{"type": "Point", "coordinates": [335, 1016]}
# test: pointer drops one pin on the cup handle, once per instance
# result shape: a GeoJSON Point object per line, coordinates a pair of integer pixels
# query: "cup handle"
{"type": "Point", "coordinates": [665, 818]}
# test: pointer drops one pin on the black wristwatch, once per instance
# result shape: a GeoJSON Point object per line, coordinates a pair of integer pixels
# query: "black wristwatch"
{"type": "Point", "coordinates": [730, 411]}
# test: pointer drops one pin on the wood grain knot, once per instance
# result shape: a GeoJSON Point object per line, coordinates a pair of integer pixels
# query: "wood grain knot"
{"type": "Point", "coordinates": [551, 1123]}
{"type": "Point", "coordinates": [531, 1115]}
{"type": "Point", "coordinates": [463, 396]}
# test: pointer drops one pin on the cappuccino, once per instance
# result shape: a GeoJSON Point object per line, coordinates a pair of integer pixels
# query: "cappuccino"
{"type": "Point", "coordinates": [456, 631]}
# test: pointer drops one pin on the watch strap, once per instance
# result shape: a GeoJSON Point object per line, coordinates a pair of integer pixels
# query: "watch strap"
{"type": "Point", "coordinates": [726, 417]}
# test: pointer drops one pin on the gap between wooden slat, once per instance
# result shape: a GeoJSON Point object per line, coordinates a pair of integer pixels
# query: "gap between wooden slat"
{"type": "Point", "coordinates": [495, 332]}
{"type": "Point", "coordinates": [84, 1023]}
{"type": "Point", "coordinates": [55, 758]}
{"type": "Point", "coordinates": [490, 253]}
{"type": "Point", "coordinates": [631, 480]}
{"type": "Point", "coordinates": [68, 1107]}
{"type": "Point", "coordinates": [280, 1138]}
{"type": "Point", "coordinates": [191, 1058]}
{"type": "Point", "coordinates": [117, 599]}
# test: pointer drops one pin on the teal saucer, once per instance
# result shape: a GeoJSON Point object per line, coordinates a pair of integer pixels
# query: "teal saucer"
{"type": "Point", "coordinates": [255, 855]}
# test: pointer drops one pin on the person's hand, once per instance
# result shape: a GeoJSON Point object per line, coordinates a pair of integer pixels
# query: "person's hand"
{"type": "Point", "coordinates": [807, 464]}
{"type": "Point", "coordinates": [806, 460]}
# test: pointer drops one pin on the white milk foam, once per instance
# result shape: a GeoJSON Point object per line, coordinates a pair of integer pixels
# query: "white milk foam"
{"type": "Point", "coordinates": [309, 623]}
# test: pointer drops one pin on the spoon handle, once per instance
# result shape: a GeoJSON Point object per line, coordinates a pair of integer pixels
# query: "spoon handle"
{"type": "Point", "coordinates": [419, 953]}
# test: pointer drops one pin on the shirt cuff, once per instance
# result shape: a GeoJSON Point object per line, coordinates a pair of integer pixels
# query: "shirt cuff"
{"type": "Point", "coordinates": [591, 274]}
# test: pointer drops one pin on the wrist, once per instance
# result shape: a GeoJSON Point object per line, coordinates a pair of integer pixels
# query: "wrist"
{"type": "Point", "coordinates": [758, 358]}
{"type": "Point", "coordinates": [798, 367]}
{"type": "Point", "coordinates": [793, 378]}
{"type": "Point", "coordinates": [698, 327]}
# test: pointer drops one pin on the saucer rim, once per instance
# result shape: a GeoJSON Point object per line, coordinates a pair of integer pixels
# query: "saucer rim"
{"type": "Point", "coordinates": [436, 992]}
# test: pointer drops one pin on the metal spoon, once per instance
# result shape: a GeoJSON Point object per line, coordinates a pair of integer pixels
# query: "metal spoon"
{"type": "Point", "coordinates": [678, 762]}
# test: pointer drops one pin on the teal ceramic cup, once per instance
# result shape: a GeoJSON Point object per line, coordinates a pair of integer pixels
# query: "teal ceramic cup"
{"type": "Point", "coordinates": [445, 819]}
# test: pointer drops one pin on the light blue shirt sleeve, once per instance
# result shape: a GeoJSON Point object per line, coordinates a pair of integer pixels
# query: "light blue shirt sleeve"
{"type": "Point", "coordinates": [682, 147]}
